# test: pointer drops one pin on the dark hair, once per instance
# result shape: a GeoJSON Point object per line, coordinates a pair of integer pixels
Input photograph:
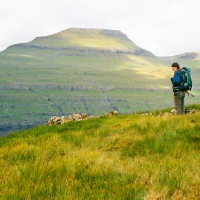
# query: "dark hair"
{"type": "Point", "coordinates": [176, 65]}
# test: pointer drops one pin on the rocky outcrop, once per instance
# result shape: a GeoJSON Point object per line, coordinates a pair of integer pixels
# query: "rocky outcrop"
{"type": "Point", "coordinates": [55, 120]}
{"type": "Point", "coordinates": [190, 111]}
{"type": "Point", "coordinates": [172, 112]}
{"type": "Point", "coordinates": [114, 112]}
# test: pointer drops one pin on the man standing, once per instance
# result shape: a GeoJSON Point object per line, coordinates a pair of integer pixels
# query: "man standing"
{"type": "Point", "coordinates": [178, 95]}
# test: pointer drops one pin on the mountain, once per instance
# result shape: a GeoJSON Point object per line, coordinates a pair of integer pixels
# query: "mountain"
{"type": "Point", "coordinates": [110, 40]}
{"type": "Point", "coordinates": [88, 50]}
{"type": "Point", "coordinates": [183, 56]}
{"type": "Point", "coordinates": [82, 70]}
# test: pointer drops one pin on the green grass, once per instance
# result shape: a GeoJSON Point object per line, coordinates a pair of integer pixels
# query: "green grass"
{"type": "Point", "coordinates": [120, 157]}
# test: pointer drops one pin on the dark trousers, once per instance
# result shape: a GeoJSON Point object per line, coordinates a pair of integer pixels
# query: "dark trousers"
{"type": "Point", "coordinates": [179, 102]}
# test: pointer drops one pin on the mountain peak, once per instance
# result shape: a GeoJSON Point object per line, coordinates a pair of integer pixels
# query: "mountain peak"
{"type": "Point", "coordinates": [88, 39]}
{"type": "Point", "coordinates": [103, 39]}
{"type": "Point", "coordinates": [90, 32]}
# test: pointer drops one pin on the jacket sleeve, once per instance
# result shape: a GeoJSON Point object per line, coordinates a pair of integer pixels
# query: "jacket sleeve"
{"type": "Point", "coordinates": [176, 80]}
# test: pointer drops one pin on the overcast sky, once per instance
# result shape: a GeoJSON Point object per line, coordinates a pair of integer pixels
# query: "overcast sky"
{"type": "Point", "coordinates": [164, 27]}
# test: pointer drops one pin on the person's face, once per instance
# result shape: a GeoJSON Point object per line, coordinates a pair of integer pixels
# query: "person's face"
{"type": "Point", "coordinates": [174, 69]}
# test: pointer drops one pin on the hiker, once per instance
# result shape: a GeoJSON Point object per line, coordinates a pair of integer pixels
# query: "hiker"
{"type": "Point", "coordinates": [178, 95]}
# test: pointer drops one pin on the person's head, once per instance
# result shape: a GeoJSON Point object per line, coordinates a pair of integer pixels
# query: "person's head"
{"type": "Point", "coordinates": [175, 67]}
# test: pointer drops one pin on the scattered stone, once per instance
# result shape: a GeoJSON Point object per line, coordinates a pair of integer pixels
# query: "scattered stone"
{"type": "Point", "coordinates": [174, 111]}
{"type": "Point", "coordinates": [190, 111]}
{"type": "Point", "coordinates": [55, 120]}
{"type": "Point", "coordinates": [113, 112]}
{"type": "Point", "coordinates": [69, 118]}
{"type": "Point", "coordinates": [76, 117]}
{"type": "Point", "coordinates": [66, 119]}
{"type": "Point", "coordinates": [84, 115]}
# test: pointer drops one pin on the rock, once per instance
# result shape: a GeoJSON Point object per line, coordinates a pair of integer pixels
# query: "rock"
{"type": "Point", "coordinates": [190, 111]}
{"type": "Point", "coordinates": [76, 117]}
{"type": "Point", "coordinates": [69, 118]}
{"type": "Point", "coordinates": [66, 119]}
{"type": "Point", "coordinates": [174, 111]}
{"type": "Point", "coordinates": [63, 118]}
{"type": "Point", "coordinates": [54, 120]}
{"type": "Point", "coordinates": [113, 112]}
{"type": "Point", "coordinates": [58, 122]}
{"type": "Point", "coordinates": [84, 115]}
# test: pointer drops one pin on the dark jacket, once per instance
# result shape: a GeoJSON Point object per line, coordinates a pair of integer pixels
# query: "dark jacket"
{"type": "Point", "coordinates": [176, 80]}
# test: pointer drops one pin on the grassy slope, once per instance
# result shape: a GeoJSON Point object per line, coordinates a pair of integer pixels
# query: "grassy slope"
{"type": "Point", "coordinates": [187, 61]}
{"type": "Point", "coordinates": [96, 60]}
{"type": "Point", "coordinates": [72, 57]}
{"type": "Point", "coordinates": [122, 157]}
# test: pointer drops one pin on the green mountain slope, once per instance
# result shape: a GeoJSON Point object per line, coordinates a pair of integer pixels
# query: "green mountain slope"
{"type": "Point", "coordinates": [191, 60]}
{"type": "Point", "coordinates": [120, 157]}
{"type": "Point", "coordinates": [78, 55]}
{"type": "Point", "coordinates": [81, 70]}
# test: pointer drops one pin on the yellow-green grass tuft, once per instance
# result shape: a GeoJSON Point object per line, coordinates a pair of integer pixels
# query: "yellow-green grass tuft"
{"type": "Point", "coordinates": [121, 157]}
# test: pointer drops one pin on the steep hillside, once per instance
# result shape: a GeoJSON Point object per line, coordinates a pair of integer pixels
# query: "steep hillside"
{"type": "Point", "coordinates": [80, 70]}
{"type": "Point", "coordinates": [81, 56]}
{"type": "Point", "coordinates": [191, 60]}
{"type": "Point", "coordinates": [120, 157]}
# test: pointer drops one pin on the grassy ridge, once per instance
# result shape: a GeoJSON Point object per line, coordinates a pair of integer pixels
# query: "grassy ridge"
{"type": "Point", "coordinates": [122, 157]}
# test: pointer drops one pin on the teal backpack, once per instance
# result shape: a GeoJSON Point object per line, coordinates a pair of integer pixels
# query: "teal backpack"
{"type": "Point", "coordinates": [186, 80]}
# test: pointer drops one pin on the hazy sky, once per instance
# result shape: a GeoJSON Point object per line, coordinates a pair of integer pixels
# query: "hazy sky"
{"type": "Point", "coordinates": [164, 27]}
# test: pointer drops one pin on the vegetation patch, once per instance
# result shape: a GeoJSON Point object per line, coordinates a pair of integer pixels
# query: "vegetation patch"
{"type": "Point", "coordinates": [120, 157]}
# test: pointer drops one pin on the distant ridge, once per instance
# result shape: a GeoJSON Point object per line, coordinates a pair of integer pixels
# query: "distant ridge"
{"type": "Point", "coordinates": [188, 55]}
{"type": "Point", "coordinates": [89, 32]}
{"type": "Point", "coordinates": [102, 39]}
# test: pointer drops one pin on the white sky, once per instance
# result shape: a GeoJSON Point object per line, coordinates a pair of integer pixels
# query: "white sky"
{"type": "Point", "coordinates": [164, 27]}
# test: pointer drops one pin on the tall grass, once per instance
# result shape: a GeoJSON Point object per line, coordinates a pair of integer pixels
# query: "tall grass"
{"type": "Point", "coordinates": [122, 157]}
